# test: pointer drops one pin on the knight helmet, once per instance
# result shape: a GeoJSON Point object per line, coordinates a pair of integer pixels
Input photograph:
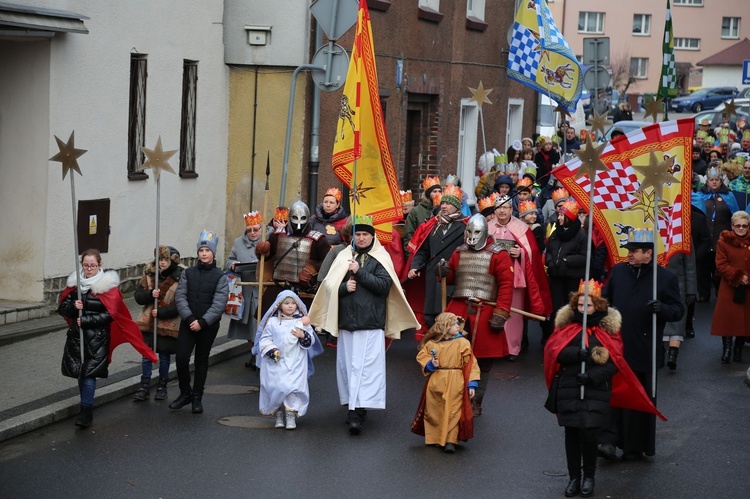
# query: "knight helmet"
{"type": "Point", "coordinates": [299, 218]}
{"type": "Point", "coordinates": [476, 232]}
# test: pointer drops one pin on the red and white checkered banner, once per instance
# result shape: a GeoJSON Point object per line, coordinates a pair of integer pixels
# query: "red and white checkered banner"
{"type": "Point", "coordinates": [618, 206]}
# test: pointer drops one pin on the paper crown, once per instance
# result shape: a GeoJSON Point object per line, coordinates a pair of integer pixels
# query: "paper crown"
{"type": "Point", "coordinates": [452, 194]}
{"type": "Point", "coordinates": [713, 173]}
{"type": "Point", "coordinates": [406, 197]}
{"type": "Point", "coordinates": [336, 193]}
{"type": "Point", "coordinates": [511, 168]}
{"type": "Point", "coordinates": [363, 220]}
{"type": "Point", "coordinates": [701, 134]}
{"type": "Point", "coordinates": [453, 179]}
{"type": "Point", "coordinates": [430, 181]}
{"type": "Point", "coordinates": [641, 236]}
{"type": "Point", "coordinates": [746, 135]}
{"type": "Point", "coordinates": [570, 209]}
{"type": "Point", "coordinates": [488, 202]}
{"type": "Point", "coordinates": [704, 122]}
{"type": "Point", "coordinates": [253, 218]}
{"type": "Point", "coordinates": [560, 195]}
{"type": "Point", "coordinates": [541, 140]}
{"type": "Point", "coordinates": [526, 207]}
{"type": "Point", "coordinates": [524, 183]}
{"type": "Point", "coordinates": [281, 214]}
{"type": "Point", "coordinates": [502, 200]}
{"type": "Point", "coordinates": [595, 288]}
{"type": "Point", "coordinates": [501, 159]}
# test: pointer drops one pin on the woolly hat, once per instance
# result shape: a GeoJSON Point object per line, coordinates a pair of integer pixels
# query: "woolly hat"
{"type": "Point", "coordinates": [452, 195]}
{"type": "Point", "coordinates": [208, 239]}
{"type": "Point", "coordinates": [503, 179]}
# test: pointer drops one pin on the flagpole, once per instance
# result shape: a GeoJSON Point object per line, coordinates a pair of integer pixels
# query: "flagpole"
{"type": "Point", "coordinates": [587, 273]}
{"type": "Point", "coordinates": [653, 293]}
{"type": "Point", "coordinates": [261, 265]}
{"type": "Point", "coordinates": [156, 271]}
{"type": "Point", "coordinates": [78, 267]}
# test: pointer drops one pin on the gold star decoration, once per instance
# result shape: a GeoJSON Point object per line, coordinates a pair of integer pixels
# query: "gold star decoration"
{"type": "Point", "coordinates": [730, 108]}
{"type": "Point", "coordinates": [158, 159]}
{"type": "Point", "coordinates": [68, 154]}
{"type": "Point", "coordinates": [562, 111]}
{"type": "Point", "coordinates": [591, 161]}
{"type": "Point", "coordinates": [598, 121]}
{"type": "Point", "coordinates": [358, 193]}
{"type": "Point", "coordinates": [653, 108]}
{"type": "Point", "coordinates": [479, 95]}
{"type": "Point", "coordinates": [646, 205]}
{"type": "Point", "coordinates": [656, 174]}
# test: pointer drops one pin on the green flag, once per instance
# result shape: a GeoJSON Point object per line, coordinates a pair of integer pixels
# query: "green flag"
{"type": "Point", "coordinates": [668, 81]}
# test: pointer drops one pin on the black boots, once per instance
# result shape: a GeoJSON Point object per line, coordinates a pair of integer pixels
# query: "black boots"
{"type": "Point", "coordinates": [161, 389]}
{"type": "Point", "coordinates": [726, 342]}
{"type": "Point", "coordinates": [86, 417]}
{"type": "Point", "coordinates": [672, 358]}
{"type": "Point", "coordinates": [739, 342]}
{"type": "Point", "coordinates": [142, 393]}
{"type": "Point", "coordinates": [573, 488]}
{"type": "Point", "coordinates": [184, 399]}
{"type": "Point", "coordinates": [587, 486]}
{"type": "Point", "coordinates": [197, 403]}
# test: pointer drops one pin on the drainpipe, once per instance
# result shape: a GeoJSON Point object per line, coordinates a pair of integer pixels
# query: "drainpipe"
{"type": "Point", "coordinates": [313, 164]}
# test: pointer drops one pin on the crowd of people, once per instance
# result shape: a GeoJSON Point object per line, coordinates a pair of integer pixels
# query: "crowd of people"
{"type": "Point", "coordinates": [466, 281]}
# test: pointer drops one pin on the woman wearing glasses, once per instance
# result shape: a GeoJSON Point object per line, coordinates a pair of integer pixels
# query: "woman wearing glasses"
{"type": "Point", "coordinates": [243, 252]}
{"type": "Point", "coordinates": [732, 313]}
{"type": "Point", "coordinates": [106, 322]}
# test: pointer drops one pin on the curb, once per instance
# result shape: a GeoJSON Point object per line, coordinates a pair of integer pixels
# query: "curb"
{"type": "Point", "coordinates": [64, 409]}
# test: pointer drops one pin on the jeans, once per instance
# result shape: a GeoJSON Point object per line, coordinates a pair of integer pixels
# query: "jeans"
{"type": "Point", "coordinates": [87, 386]}
{"type": "Point", "coordinates": [147, 366]}
{"type": "Point", "coordinates": [201, 341]}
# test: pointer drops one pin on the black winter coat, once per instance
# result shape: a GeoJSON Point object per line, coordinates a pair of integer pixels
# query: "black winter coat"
{"type": "Point", "coordinates": [566, 252]}
{"type": "Point", "coordinates": [699, 234]}
{"type": "Point", "coordinates": [365, 308]}
{"type": "Point", "coordinates": [95, 322]}
{"type": "Point", "coordinates": [628, 290]}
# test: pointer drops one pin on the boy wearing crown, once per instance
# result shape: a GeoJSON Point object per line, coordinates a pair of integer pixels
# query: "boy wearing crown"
{"type": "Point", "coordinates": [201, 299]}
{"type": "Point", "coordinates": [425, 209]}
{"type": "Point", "coordinates": [359, 303]}
{"type": "Point", "coordinates": [630, 291]}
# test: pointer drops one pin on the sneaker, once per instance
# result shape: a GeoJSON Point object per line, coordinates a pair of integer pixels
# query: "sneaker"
{"type": "Point", "coordinates": [279, 419]}
{"type": "Point", "coordinates": [607, 451]}
{"type": "Point", "coordinates": [291, 420]}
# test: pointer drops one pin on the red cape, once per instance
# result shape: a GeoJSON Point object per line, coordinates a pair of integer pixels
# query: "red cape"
{"type": "Point", "coordinates": [123, 329]}
{"type": "Point", "coordinates": [627, 391]}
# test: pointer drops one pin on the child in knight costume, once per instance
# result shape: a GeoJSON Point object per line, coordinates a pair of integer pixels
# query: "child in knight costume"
{"type": "Point", "coordinates": [482, 274]}
{"type": "Point", "coordinates": [286, 345]}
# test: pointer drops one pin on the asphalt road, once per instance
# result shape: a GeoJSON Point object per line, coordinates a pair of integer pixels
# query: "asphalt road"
{"type": "Point", "coordinates": [144, 450]}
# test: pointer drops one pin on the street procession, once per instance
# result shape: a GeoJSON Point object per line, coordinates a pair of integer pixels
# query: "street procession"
{"type": "Point", "coordinates": [407, 248]}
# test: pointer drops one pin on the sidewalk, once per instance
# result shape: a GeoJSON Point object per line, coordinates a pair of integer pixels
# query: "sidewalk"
{"type": "Point", "coordinates": [35, 394]}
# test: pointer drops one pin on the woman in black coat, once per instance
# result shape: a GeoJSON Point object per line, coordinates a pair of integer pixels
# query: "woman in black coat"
{"type": "Point", "coordinates": [566, 255]}
{"type": "Point", "coordinates": [564, 355]}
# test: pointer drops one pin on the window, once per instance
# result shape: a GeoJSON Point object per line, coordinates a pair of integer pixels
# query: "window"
{"type": "Point", "coordinates": [687, 43]}
{"type": "Point", "coordinates": [730, 27]}
{"type": "Point", "coordinates": [639, 67]}
{"type": "Point", "coordinates": [430, 4]}
{"type": "Point", "coordinates": [591, 22]}
{"type": "Point", "coordinates": [475, 8]}
{"type": "Point", "coordinates": [695, 3]}
{"type": "Point", "coordinates": [137, 116]}
{"type": "Point", "coordinates": [187, 122]}
{"type": "Point", "coordinates": [642, 24]}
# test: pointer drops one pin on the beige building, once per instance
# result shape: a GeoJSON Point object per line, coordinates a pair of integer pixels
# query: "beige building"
{"type": "Point", "coordinates": [701, 29]}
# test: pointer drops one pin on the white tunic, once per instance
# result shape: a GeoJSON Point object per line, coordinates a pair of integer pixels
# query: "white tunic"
{"type": "Point", "coordinates": [283, 382]}
{"type": "Point", "coordinates": [360, 368]}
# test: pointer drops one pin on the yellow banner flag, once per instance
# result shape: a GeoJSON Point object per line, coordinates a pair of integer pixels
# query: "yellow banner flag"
{"type": "Point", "coordinates": [361, 154]}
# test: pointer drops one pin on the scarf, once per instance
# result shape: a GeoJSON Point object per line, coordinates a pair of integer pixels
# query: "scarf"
{"type": "Point", "coordinates": [87, 282]}
{"type": "Point", "coordinates": [445, 220]}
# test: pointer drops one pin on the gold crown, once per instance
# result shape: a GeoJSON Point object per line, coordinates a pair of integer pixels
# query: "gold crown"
{"type": "Point", "coordinates": [253, 218]}
{"type": "Point", "coordinates": [559, 195]}
{"type": "Point", "coordinates": [746, 135]}
{"type": "Point", "coordinates": [453, 191]}
{"type": "Point", "coordinates": [336, 193]}
{"type": "Point", "coordinates": [526, 207]}
{"type": "Point", "coordinates": [363, 220]}
{"type": "Point", "coordinates": [282, 214]}
{"type": "Point", "coordinates": [406, 197]}
{"type": "Point", "coordinates": [524, 183]}
{"type": "Point", "coordinates": [595, 288]}
{"type": "Point", "coordinates": [570, 208]}
{"type": "Point", "coordinates": [430, 181]}
{"type": "Point", "coordinates": [488, 202]}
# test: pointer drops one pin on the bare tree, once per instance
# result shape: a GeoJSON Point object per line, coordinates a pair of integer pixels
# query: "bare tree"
{"type": "Point", "coordinates": [621, 73]}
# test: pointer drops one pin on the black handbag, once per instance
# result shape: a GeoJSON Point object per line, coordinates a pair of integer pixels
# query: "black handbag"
{"type": "Point", "coordinates": [740, 293]}
{"type": "Point", "coordinates": [551, 403]}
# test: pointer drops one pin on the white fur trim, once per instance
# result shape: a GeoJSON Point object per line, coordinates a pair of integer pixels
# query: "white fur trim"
{"type": "Point", "coordinates": [109, 279]}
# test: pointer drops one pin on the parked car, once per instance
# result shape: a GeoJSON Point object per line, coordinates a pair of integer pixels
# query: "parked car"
{"type": "Point", "coordinates": [742, 103]}
{"type": "Point", "coordinates": [714, 116]}
{"type": "Point", "coordinates": [745, 92]}
{"type": "Point", "coordinates": [705, 98]}
{"type": "Point", "coordinates": [625, 126]}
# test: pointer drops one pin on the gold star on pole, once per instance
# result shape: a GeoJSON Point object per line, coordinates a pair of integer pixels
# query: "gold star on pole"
{"type": "Point", "coordinates": [68, 154]}
{"type": "Point", "coordinates": [591, 161]}
{"type": "Point", "coordinates": [656, 174]}
{"type": "Point", "coordinates": [598, 121]}
{"type": "Point", "coordinates": [158, 159]}
{"type": "Point", "coordinates": [653, 108]}
{"type": "Point", "coordinates": [562, 111]}
{"type": "Point", "coordinates": [646, 205]}
{"type": "Point", "coordinates": [479, 95]}
{"type": "Point", "coordinates": [730, 108]}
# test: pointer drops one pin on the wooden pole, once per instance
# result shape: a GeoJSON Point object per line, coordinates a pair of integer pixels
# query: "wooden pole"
{"type": "Point", "coordinates": [261, 266]}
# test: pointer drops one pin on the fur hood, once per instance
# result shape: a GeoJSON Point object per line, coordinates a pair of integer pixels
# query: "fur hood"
{"type": "Point", "coordinates": [611, 323]}
{"type": "Point", "coordinates": [732, 239]}
{"type": "Point", "coordinates": [109, 279]}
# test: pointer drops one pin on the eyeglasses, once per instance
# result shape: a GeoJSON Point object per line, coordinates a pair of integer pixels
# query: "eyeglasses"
{"type": "Point", "coordinates": [741, 226]}
{"type": "Point", "coordinates": [253, 229]}
{"type": "Point", "coordinates": [95, 265]}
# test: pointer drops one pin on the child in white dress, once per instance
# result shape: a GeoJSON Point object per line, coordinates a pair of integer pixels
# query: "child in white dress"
{"type": "Point", "coordinates": [286, 344]}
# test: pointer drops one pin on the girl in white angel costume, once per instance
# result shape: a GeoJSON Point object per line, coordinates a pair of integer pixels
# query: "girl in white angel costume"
{"type": "Point", "coordinates": [286, 344]}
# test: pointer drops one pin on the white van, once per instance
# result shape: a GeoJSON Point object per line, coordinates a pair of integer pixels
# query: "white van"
{"type": "Point", "coordinates": [547, 120]}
